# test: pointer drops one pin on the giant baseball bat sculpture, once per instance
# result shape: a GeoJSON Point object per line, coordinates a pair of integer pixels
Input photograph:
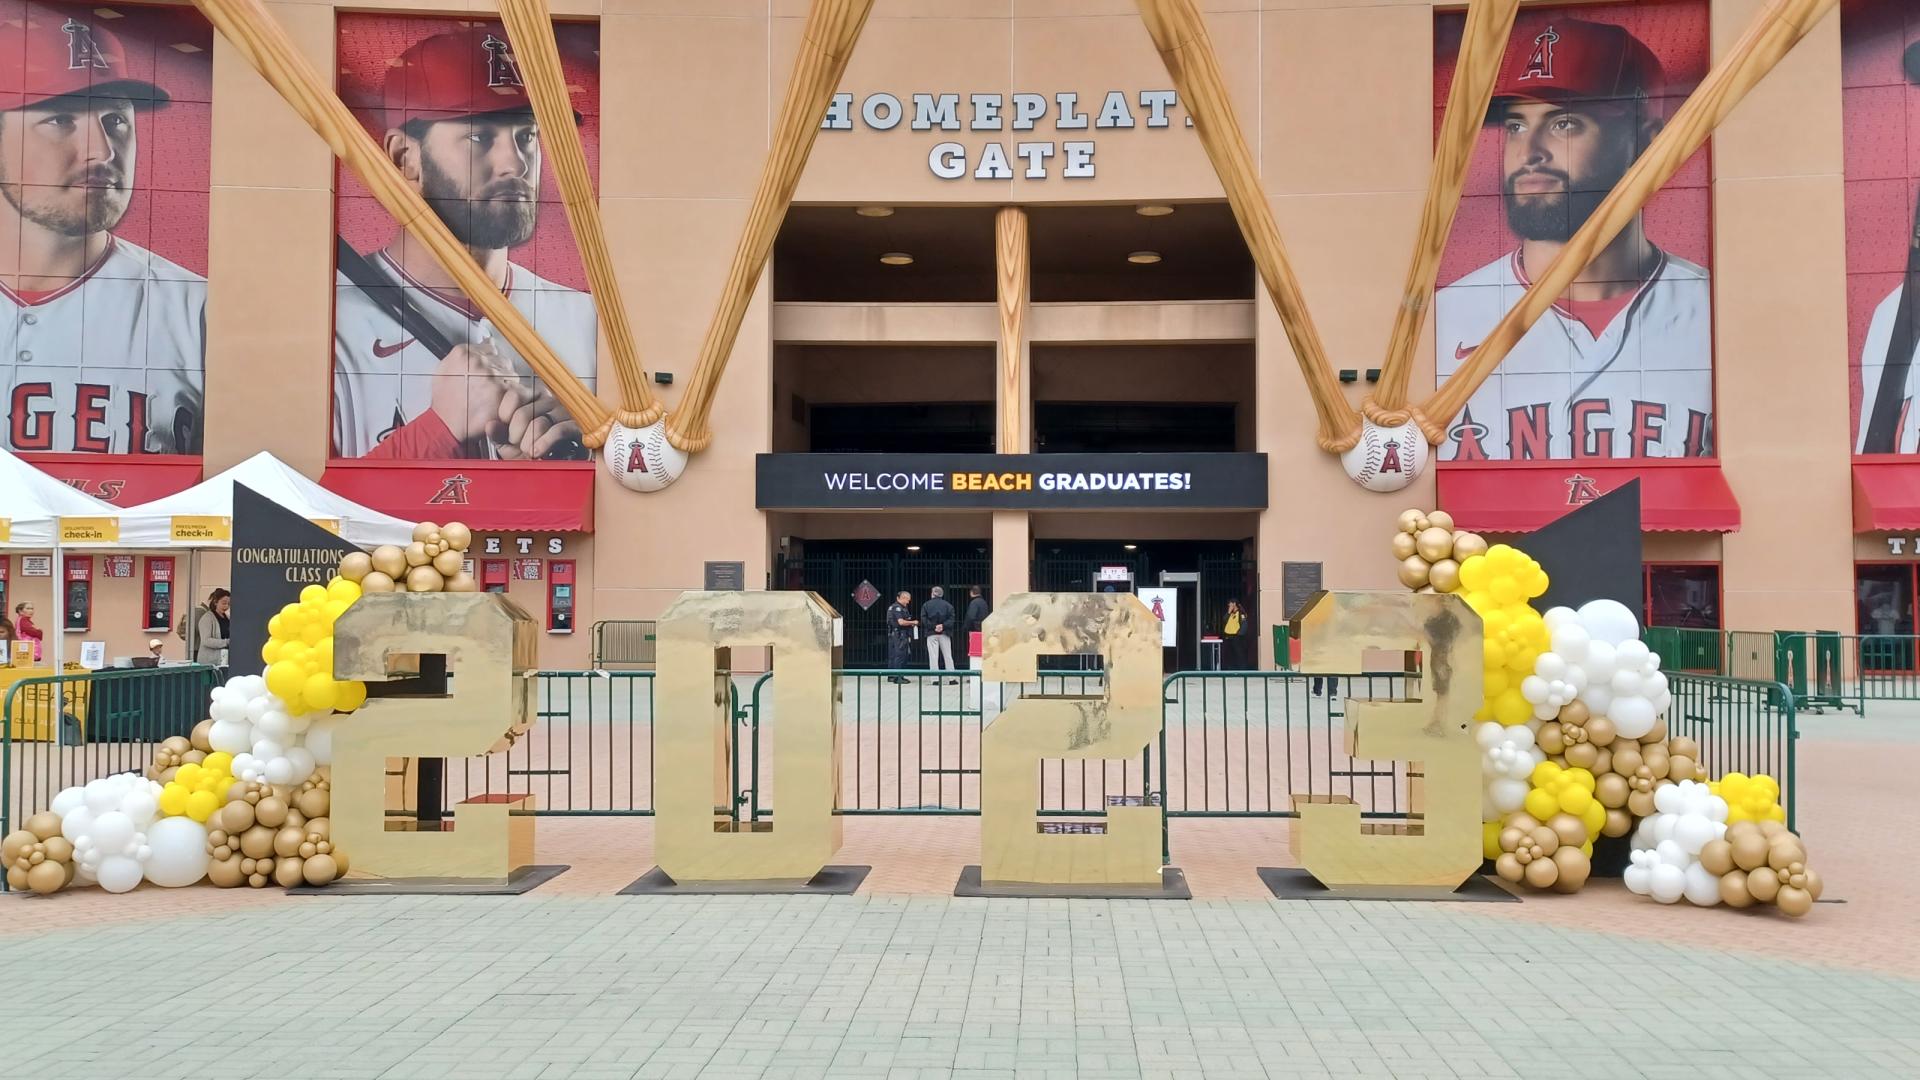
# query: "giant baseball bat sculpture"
{"type": "Point", "coordinates": [530, 28]}
{"type": "Point", "coordinates": [1482, 44]}
{"type": "Point", "coordinates": [263, 44]}
{"type": "Point", "coordinates": [826, 42]}
{"type": "Point", "coordinates": [1772, 34]}
{"type": "Point", "coordinates": [1180, 35]}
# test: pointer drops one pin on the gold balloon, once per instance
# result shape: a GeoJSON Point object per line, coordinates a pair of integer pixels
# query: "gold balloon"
{"type": "Point", "coordinates": [1411, 521]}
{"type": "Point", "coordinates": [313, 802]}
{"type": "Point", "coordinates": [1571, 830]}
{"type": "Point", "coordinates": [1717, 857]}
{"type": "Point", "coordinates": [199, 736]}
{"type": "Point", "coordinates": [1764, 884]}
{"type": "Point", "coordinates": [1749, 849]}
{"type": "Point", "coordinates": [1770, 828]}
{"type": "Point", "coordinates": [1626, 761]}
{"type": "Point", "coordinates": [287, 841]}
{"type": "Point", "coordinates": [1600, 730]}
{"type": "Point", "coordinates": [1680, 767]}
{"type": "Point", "coordinates": [1640, 804]}
{"type": "Point", "coordinates": [1814, 886]}
{"type": "Point", "coordinates": [356, 565]}
{"type": "Point", "coordinates": [1658, 734]}
{"type": "Point", "coordinates": [1574, 868]}
{"type": "Point", "coordinates": [1574, 714]}
{"type": "Point", "coordinates": [1582, 755]}
{"type": "Point", "coordinates": [1619, 823]}
{"type": "Point", "coordinates": [448, 563]}
{"type": "Point", "coordinates": [339, 862]}
{"type": "Point", "coordinates": [16, 879]}
{"type": "Point", "coordinates": [1440, 519]}
{"type": "Point", "coordinates": [1434, 544]}
{"type": "Point", "coordinates": [425, 579]}
{"type": "Point", "coordinates": [1657, 760]}
{"type": "Point", "coordinates": [1445, 576]}
{"type": "Point", "coordinates": [257, 842]}
{"type": "Point", "coordinates": [1551, 737]}
{"type": "Point", "coordinates": [462, 582]}
{"type": "Point", "coordinates": [1413, 572]}
{"type": "Point", "coordinates": [44, 825]}
{"type": "Point", "coordinates": [424, 530]}
{"type": "Point", "coordinates": [271, 812]}
{"type": "Point", "coordinates": [388, 560]}
{"type": "Point", "coordinates": [416, 554]}
{"type": "Point", "coordinates": [1681, 746]}
{"type": "Point", "coordinates": [1792, 901]}
{"type": "Point", "coordinates": [59, 848]}
{"type": "Point", "coordinates": [1542, 873]}
{"type": "Point", "coordinates": [457, 536]}
{"type": "Point", "coordinates": [287, 873]}
{"type": "Point", "coordinates": [16, 843]}
{"type": "Point", "coordinates": [237, 817]}
{"type": "Point", "coordinates": [1784, 853]}
{"type": "Point", "coordinates": [1602, 759]}
{"type": "Point", "coordinates": [1404, 546]}
{"type": "Point", "coordinates": [51, 877]}
{"type": "Point", "coordinates": [1511, 838]}
{"type": "Point", "coordinates": [1466, 545]}
{"type": "Point", "coordinates": [319, 869]}
{"type": "Point", "coordinates": [377, 582]}
{"type": "Point", "coordinates": [1733, 889]}
{"type": "Point", "coordinates": [1545, 838]}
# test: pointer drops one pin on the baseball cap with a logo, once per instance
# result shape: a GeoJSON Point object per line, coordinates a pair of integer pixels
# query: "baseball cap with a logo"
{"type": "Point", "coordinates": [53, 51]}
{"type": "Point", "coordinates": [1561, 59]}
{"type": "Point", "coordinates": [468, 72]}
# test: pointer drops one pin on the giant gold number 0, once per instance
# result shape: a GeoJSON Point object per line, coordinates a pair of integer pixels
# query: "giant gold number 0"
{"type": "Point", "coordinates": [488, 642]}
{"type": "Point", "coordinates": [691, 723]}
{"type": "Point", "coordinates": [1441, 849]}
{"type": "Point", "coordinates": [1118, 724]}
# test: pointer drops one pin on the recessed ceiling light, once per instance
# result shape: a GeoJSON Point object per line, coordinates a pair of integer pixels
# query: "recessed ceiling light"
{"type": "Point", "coordinates": [1153, 210]}
{"type": "Point", "coordinates": [913, 547]}
{"type": "Point", "coordinates": [874, 211]}
{"type": "Point", "coordinates": [901, 258]}
{"type": "Point", "coordinates": [1143, 258]}
{"type": "Point", "coordinates": [1131, 547]}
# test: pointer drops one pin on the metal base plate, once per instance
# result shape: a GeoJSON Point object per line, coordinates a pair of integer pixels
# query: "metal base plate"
{"type": "Point", "coordinates": [1173, 886]}
{"type": "Point", "coordinates": [1291, 883]}
{"type": "Point", "coordinates": [830, 881]}
{"type": "Point", "coordinates": [525, 879]}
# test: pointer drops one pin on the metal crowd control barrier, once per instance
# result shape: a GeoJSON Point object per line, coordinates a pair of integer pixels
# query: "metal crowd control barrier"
{"type": "Point", "coordinates": [1831, 670]}
{"type": "Point", "coordinates": [1742, 725]}
{"type": "Point", "coordinates": [623, 644]}
{"type": "Point", "coordinates": [57, 731]}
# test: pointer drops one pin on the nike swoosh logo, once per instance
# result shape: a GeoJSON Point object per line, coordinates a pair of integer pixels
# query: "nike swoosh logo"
{"type": "Point", "coordinates": [383, 351]}
{"type": "Point", "coordinates": [1460, 351]}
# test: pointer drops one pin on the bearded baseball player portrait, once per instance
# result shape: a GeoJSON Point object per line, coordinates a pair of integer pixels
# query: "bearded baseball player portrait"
{"type": "Point", "coordinates": [1878, 106]}
{"type": "Point", "coordinates": [1622, 365]}
{"type": "Point", "coordinates": [103, 340]}
{"type": "Point", "coordinates": [419, 373]}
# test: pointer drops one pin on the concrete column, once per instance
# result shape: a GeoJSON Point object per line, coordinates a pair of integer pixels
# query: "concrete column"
{"type": "Point", "coordinates": [1013, 391]}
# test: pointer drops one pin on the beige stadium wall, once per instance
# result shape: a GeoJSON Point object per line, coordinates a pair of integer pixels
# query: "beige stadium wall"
{"type": "Point", "coordinates": [1336, 101]}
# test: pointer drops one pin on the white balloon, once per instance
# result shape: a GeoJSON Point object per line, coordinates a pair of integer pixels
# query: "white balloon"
{"type": "Point", "coordinates": [1692, 832]}
{"type": "Point", "coordinates": [1534, 689]}
{"type": "Point", "coordinates": [1550, 665]}
{"type": "Point", "coordinates": [1666, 883]}
{"type": "Point", "coordinates": [1632, 717]}
{"type": "Point", "coordinates": [1571, 641]}
{"type": "Point", "coordinates": [103, 795]}
{"type": "Point", "coordinates": [303, 764]}
{"type": "Point", "coordinates": [1599, 662]}
{"type": "Point", "coordinates": [1557, 617]}
{"type": "Point", "coordinates": [1666, 799]}
{"type": "Point", "coordinates": [319, 741]}
{"type": "Point", "coordinates": [242, 762]}
{"type": "Point", "coordinates": [77, 823]}
{"type": "Point", "coordinates": [1700, 887]}
{"type": "Point", "coordinates": [299, 724]}
{"type": "Point", "coordinates": [141, 806]}
{"type": "Point", "coordinates": [73, 798]}
{"type": "Point", "coordinates": [1638, 877]}
{"type": "Point", "coordinates": [179, 852]}
{"type": "Point", "coordinates": [230, 737]}
{"type": "Point", "coordinates": [1632, 653]}
{"type": "Point", "coordinates": [227, 711]}
{"type": "Point", "coordinates": [257, 708]}
{"type": "Point", "coordinates": [119, 873]}
{"type": "Point", "coordinates": [1507, 794]}
{"type": "Point", "coordinates": [1487, 734]}
{"type": "Point", "coordinates": [268, 749]}
{"type": "Point", "coordinates": [1627, 683]}
{"type": "Point", "coordinates": [272, 724]}
{"type": "Point", "coordinates": [1609, 620]}
{"type": "Point", "coordinates": [113, 831]}
{"type": "Point", "coordinates": [280, 771]}
{"type": "Point", "coordinates": [1599, 699]}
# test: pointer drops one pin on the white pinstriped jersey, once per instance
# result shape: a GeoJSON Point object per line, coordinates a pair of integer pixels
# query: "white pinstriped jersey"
{"type": "Point", "coordinates": [1642, 387]}
{"type": "Point", "coordinates": [383, 378]}
{"type": "Point", "coordinates": [114, 362]}
{"type": "Point", "coordinates": [1873, 360]}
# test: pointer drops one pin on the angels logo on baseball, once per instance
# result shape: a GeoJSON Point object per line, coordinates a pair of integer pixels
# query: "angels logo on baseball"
{"type": "Point", "coordinates": [1386, 459]}
{"type": "Point", "coordinates": [641, 458]}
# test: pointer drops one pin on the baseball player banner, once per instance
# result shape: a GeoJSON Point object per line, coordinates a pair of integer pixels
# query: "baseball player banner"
{"type": "Point", "coordinates": [1880, 103]}
{"type": "Point", "coordinates": [419, 373]}
{"type": "Point", "coordinates": [104, 158]}
{"type": "Point", "coordinates": [1622, 365]}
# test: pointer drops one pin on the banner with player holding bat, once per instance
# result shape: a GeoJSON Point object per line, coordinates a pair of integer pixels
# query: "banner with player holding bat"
{"type": "Point", "coordinates": [1880, 58]}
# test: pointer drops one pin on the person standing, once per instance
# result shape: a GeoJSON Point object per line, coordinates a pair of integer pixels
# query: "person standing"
{"type": "Point", "coordinates": [1234, 630]}
{"type": "Point", "coordinates": [977, 611]}
{"type": "Point", "coordinates": [212, 628]}
{"type": "Point", "coordinates": [900, 630]}
{"type": "Point", "coordinates": [23, 625]}
{"type": "Point", "coordinates": [937, 615]}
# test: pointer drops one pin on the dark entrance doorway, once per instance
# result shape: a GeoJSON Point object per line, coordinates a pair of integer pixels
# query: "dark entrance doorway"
{"type": "Point", "coordinates": [1206, 573]}
{"type": "Point", "coordinates": [848, 572]}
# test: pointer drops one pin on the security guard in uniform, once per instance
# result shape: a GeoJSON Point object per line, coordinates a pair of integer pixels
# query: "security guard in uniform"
{"type": "Point", "coordinates": [900, 630]}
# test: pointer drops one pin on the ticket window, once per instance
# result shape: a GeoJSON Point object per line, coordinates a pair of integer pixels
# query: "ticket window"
{"type": "Point", "coordinates": [493, 575]}
{"type": "Point", "coordinates": [159, 592]}
{"type": "Point", "coordinates": [560, 596]}
{"type": "Point", "coordinates": [79, 586]}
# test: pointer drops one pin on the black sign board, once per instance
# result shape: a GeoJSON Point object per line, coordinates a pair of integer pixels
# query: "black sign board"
{"type": "Point", "coordinates": [1298, 582]}
{"type": "Point", "coordinates": [276, 553]}
{"type": "Point", "coordinates": [726, 576]}
{"type": "Point", "coordinates": [1011, 481]}
{"type": "Point", "coordinates": [1592, 553]}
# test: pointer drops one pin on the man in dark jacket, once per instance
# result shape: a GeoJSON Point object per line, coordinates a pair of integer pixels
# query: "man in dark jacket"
{"type": "Point", "coordinates": [900, 627]}
{"type": "Point", "coordinates": [937, 616]}
{"type": "Point", "coordinates": [976, 616]}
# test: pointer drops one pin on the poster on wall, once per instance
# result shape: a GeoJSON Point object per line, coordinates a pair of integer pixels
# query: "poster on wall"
{"type": "Point", "coordinates": [1880, 109]}
{"type": "Point", "coordinates": [1622, 365]}
{"type": "Point", "coordinates": [418, 373]}
{"type": "Point", "coordinates": [105, 129]}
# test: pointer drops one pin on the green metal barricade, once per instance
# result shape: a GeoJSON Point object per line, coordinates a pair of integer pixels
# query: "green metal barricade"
{"type": "Point", "coordinates": [1742, 725]}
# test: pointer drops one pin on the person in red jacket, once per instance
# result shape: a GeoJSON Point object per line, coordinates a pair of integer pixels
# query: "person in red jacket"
{"type": "Point", "coordinates": [23, 624]}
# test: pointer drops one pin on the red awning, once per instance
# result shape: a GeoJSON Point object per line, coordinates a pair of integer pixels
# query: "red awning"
{"type": "Point", "coordinates": [1886, 493]}
{"type": "Point", "coordinates": [495, 495]}
{"type": "Point", "coordinates": [1509, 497]}
{"type": "Point", "coordinates": [122, 479]}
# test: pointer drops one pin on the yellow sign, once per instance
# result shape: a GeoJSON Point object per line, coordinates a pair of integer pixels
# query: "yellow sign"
{"type": "Point", "coordinates": [190, 528]}
{"type": "Point", "coordinates": [332, 525]}
{"type": "Point", "coordinates": [89, 530]}
{"type": "Point", "coordinates": [6, 530]}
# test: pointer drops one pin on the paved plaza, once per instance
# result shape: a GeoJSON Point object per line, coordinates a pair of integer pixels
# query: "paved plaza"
{"type": "Point", "coordinates": [904, 980]}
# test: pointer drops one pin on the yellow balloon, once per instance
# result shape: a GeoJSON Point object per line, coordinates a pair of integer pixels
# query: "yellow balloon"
{"type": "Point", "coordinates": [219, 762]}
{"type": "Point", "coordinates": [313, 594]}
{"type": "Point", "coordinates": [319, 692]}
{"type": "Point", "coordinates": [294, 651]}
{"type": "Point", "coordinates": [273, 627]}
{"type": "Point", "coordinates": [284, 680]}
{"type": "Point", "coordinates": [1490, 839]}
{"type": "Point", "coordinates": [1594, 817]}
{"type": "Point", "coordinates": [187, 776]}
{"type": "Point", "coordinates": [343, 591]}
{"type": "Point", "coordinates": [313, 632]}
{"type": "Point", "coordinates": [173, 800]}
{"type": "Point", "coordinates": [201, 805]}
{"type": "Point", "coordinates": [350, 696]}
{"type": "Point", "coordinates": [1540, 805]}
{"type": "Point", "coordinates": [270, 651]}
{"type": "Point", "coordinates": [1575, 799]}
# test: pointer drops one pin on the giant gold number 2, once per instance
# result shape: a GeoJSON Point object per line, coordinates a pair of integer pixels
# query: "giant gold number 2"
{"type": "Point", "coordinates": [1119, 724]}
{"type": "Point", "coordinates": [489, 643]}
{"type": "Point", "coordinates": [692, 841]}
{"type": "Point", "coordinates": [1441, 848]}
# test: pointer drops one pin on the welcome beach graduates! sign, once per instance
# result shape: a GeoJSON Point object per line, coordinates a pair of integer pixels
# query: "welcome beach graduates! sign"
{"type": "Point", "coordinates": [1011, 481]}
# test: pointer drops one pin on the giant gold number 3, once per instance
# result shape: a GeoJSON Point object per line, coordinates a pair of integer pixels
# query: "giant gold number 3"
{"type": "Point", "coordinates": [1120, 723]}
{"type": "Point", "coordinates": [489, 644]}
{"type": "Point", "coordinates": [1440, 847]}
{"type": "Point", "coordinates": [692, 841]}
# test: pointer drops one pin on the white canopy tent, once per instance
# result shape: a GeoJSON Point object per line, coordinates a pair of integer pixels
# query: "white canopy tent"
{"type": "Point", "coordinates": [31, 507]}
{"type": "Point", "coordinates": [207, 507]}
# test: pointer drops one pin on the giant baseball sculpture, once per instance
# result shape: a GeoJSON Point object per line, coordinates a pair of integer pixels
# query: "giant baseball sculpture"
{"type": "Point", "coordinates": [646, 453]}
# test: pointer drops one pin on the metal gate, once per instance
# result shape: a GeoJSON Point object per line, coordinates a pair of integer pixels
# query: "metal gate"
{"type": "Point", "coordinates": [839, 578]}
